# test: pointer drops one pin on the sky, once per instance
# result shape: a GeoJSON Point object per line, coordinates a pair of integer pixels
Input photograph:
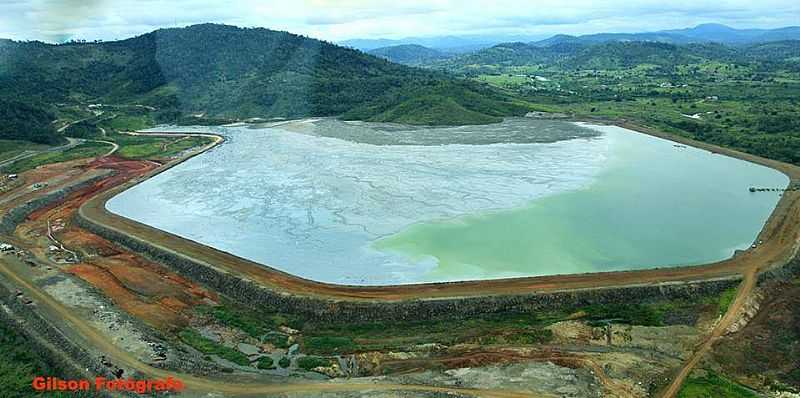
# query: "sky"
{"type": "Point", "coordinates": [336, 20]}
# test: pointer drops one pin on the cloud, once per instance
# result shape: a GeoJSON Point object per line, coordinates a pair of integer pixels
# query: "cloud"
{"type": "Point", "coordinates": [56, 20]}
{"type": "Point", "coordinates": [340, 15]}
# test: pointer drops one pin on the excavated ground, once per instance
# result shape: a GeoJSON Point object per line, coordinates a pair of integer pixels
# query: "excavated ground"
{"type": "Point", "coordinates": [766, 352]}
{"type": "Point", "coordinates": [138, 286]}
{"type": "Point", "coordinates": [633, 361]}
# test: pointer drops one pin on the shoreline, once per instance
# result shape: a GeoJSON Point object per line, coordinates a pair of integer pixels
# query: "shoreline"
{"type": "Point", "coordinates": [775, 251]}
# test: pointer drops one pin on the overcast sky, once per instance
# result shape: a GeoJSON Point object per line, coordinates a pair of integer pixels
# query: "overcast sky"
{"type": "Point", "coordinates": [334, 20]}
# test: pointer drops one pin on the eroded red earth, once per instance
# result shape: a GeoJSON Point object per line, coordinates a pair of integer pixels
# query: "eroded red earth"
{"type": "Point", "coordinates": [137, 285]}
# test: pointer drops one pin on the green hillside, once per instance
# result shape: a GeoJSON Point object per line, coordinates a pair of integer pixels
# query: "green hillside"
{"type": "Point", "coordinates": [226, 72]}
{"type": "Point", "coordinates": [564, 54]}
{"type": "Point", "coordinates": [408, 54]}
{"type": "Point", "coordinates": [744, 97]}
{"type": "Point", "coordinates": [21, 121]}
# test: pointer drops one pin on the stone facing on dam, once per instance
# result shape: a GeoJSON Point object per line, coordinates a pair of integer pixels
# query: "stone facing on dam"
{"type": "Point", "coordinates": [349, 311]}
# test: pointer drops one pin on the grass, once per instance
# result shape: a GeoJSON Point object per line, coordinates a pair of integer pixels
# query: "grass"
{"type": "Point", "coordinates": [331, 339]}
{"type": "Point", "coordinates": [328, 344]}
{"type": "Point", "coordinates": [142, 147]}
{"type": "Point", "coordinates": [265, 363]}
{"type": "Point", "coordinates": [253, 323]}
{"type": "Point", "coordinates": [86, 150]}
{"type": "Point", "coordinates": [505, 80]}
{"type": "Point", "coordinates": [131, 147]}
{"type": "Point", "coordinates": [128, 123]}
{"type": "Point", "coordinates": [632, 314]}
{"type": "Point", "coordinates": [657, 313]}
{"type": "Point", "coordinates": [21, 362]}
{"type": "Point", "coordinates": [506, 328]}
{"type": "Point", "coordinates": [726, 299]}
{"type": "Point", "coordinates": [311, 362]}
{"type": "Point", "coordinates": [487, 329]}
{"type": "Point", "coordinates": [210, 347]}
{"type": "Point", "coordinates": [741, 108]}
{"type": "Point", "coordinates": [712, 386]}
{"type": "Point", "coordinates": [11, 148]}
{"type": "Point", "coordinates": [277, 339]}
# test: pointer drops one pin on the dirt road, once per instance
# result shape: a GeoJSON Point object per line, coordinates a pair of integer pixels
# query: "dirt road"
{"type": "Point", "coordinates": [743, 292]}
{"type": "Point", "coordinates": [114, 146]}
{"type": "Point", "coordinates": [202, 386]}
{"type": "Point", "coordinates": [71, 142]}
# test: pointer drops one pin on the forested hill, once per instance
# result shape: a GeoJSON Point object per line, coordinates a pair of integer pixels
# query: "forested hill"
{"type": "Point", "coordinates": [408, 54]}
{"type": "Point", "coordinates": [225, 71]}
{"type": "Point", "coordinates": [20, 121]}
{"type": "Point", "coordinates": [620, 55]}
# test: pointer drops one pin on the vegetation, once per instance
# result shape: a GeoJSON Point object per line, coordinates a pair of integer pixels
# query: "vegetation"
{"type": "Point", "coordinates": [20, 363]}
{"type": "Point", "coordinates": [12, 148]}
{"type": "Point", "coordinates": [277, 339]}
{"type": "Point", "coordinates": [408, 54]}
{"type": "Point", "coordinates": [328, 344]}
{"type": "Point", "coordinates": [325, 338]}
{"type": "Point", "coordinates": [711, 386]}
{"type": "Point", "coordinates": [726, 299]}
{"type": "Point", "coordinates": [656, 313]}
{"type": "Point", "coordinates": [632, 314]}
{"type": "Point", "coordinates": [82, 129]}
{"type": "Point", "coordinates": [284, 362]}
{"type": "Point", "coordinates": [742, 97]}
{"type": "Point", "coordinates": [265, 363]}
{"type": "Point", "coordinates": [311, 362]}
{"type": "Point", "coordinates": [24, 121]}
{"type": "Point", "coordinates": [209, 347]}
{"type": "Point", "coordinates": [253, 323]}
{"type": "Point", "coordinates": [142, 147]}
{"type": "Point", "coordinates": [224, 72]}
{"type": "Point", "coordinates": [86, 150]}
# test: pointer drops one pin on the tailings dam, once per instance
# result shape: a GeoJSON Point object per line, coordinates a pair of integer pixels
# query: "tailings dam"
{"type": "Point", "coordinates": [377, 204]}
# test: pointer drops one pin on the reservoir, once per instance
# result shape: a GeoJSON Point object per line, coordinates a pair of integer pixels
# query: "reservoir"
{"type": "Point", "coordinates": [374, 204]}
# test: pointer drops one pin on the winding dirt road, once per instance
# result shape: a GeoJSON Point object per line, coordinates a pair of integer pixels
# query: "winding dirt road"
{"type": "Point", "coordinates": [71, 142]}
{"type": "Point", "coordinates": [743, 292]}
{"type": "Point", "coordinates": [201, 386]}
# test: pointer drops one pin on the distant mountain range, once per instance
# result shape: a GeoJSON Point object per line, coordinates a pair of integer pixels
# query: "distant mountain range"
{"type": "Point", "coordinates": [560, 46]}
{"type": "Point", "coordinates": [445, 44]}
{"type": "Point", "coordinates": [705, 33]}
{"type": "Point", "coordinates": [622, 54]}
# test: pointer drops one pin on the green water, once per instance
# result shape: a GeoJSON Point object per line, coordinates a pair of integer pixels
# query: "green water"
{"type": "Point", "coordinates": [654, 205]}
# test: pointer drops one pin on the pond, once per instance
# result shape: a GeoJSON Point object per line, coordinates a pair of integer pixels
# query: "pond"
{"type": "Point", "coordinates": [372, 204]}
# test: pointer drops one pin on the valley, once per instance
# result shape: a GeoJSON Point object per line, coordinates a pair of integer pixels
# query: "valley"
{"type": "Point", "coordinates": [308, 220]}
